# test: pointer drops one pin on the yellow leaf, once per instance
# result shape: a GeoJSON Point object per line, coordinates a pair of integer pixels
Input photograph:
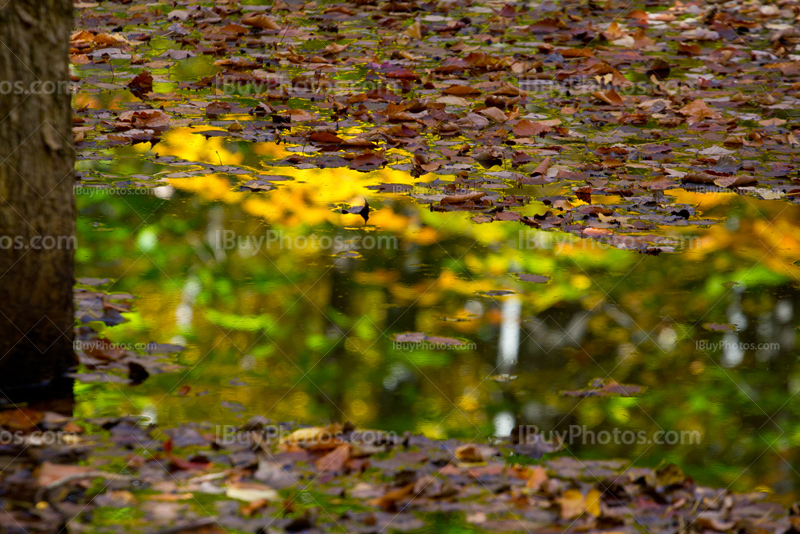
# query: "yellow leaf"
{"type": "Point", "coordinates": [415, 30]}
{"type": "Point", "coordinates": [572, 503]}
{"type": "Point", "coordinates": [593, 502]}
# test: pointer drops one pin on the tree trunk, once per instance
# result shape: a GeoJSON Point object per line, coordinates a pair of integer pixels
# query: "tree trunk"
{"type": "Point", "coordinates": [37, 203]}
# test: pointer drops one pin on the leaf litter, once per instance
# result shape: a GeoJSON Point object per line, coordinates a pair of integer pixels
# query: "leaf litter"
{"type": "Point", "coordinates": [484, 106]}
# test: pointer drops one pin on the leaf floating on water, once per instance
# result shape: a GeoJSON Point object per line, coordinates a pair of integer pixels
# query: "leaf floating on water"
{"type": "Point", "coordinates": [410, 337]}
{"type": "Point", "coordinates": [460, 199]}
{"type": "Point", "coordinates": [714, 327]}
{"type": "Point", "coordinates": [359, 210]}
{"type": "Point", "coordinates": [325, 138]}
{"type": "Point", "coordinates": [535, 278]}
{"type": "Point", "coordinates": [502, 378]}
{"type": "Point", "coordinates": [368, 161]}
{"type": "Point", "coordinates": [141, 84]}
{"type": "Point", "coordinates": [606, 388]}
{"type": "Point", "coordinates": [92, 281]}
{"type": "Point", "coordinates": [144, 118]}
{"type": "Point", "coordinates": [257, 185]}
{"type": "Point", "coordinates": [419, 337]}
{"type": "Point", "coordinates": [498, 293]}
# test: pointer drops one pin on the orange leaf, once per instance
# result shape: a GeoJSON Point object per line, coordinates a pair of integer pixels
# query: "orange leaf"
{"type": "Point", "coordinates": [334, 460]}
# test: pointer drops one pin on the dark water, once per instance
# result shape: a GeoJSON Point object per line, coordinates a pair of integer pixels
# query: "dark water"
{"type": "Point", "coordinates": [289, 309]}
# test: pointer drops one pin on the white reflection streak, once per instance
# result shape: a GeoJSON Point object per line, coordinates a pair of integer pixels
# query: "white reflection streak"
{"type": "Point", "coordinates": [508, 344]}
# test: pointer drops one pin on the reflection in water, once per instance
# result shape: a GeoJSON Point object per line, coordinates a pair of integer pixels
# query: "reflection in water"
{"type": "Point", "coordinates": [301, 328]}
{"type": "Point", "coordinates": [508, 345]}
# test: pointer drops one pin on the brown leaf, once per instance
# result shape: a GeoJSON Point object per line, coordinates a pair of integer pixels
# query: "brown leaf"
{"type": "Point", "coordinates": [146, 118]}
{"type": "Point", "coordinates": [461, 90]}
{"type": "Point", "coordinates": [609, 96]}
{"type": "Point", "coordinates": [368, 161]}
{"type": "Point", "coordinates": [494, 113]}
{"type": "Point", "coordinates": [325, 138]}
{"type": "Point", "coordinates": [334, 460]}
{"type": "Point", "coordinates": [460, 199]}
{"type": "Point", "coordinates": [699, 110]}
{"type": "Point", "coordinates": [103, 349]}
{"type": "Point", "coordinates": [334, 48]}
{"type": "Point", "coordinates": [526, 128]}
{"type": "Point", "coordinates": [469, 453]}
{"type": "Point", "coordinates": [50, 473]}
{"type": "Point", "coordinates": [537, 478]}
{"type": "Point", "coordinates": [389, 500]}
{"type": "Point", "coordinates": [20, 419]}
{"type": "Point", "coordinates": [261, 21]}
{"type": "Point", "coordinates": [541, 168]}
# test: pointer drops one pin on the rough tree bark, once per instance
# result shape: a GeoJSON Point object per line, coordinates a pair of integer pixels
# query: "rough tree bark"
{"type": "Point", "coordinates": [37, 204]}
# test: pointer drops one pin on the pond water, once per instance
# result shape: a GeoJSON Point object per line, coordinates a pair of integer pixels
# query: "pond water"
{"type": "Point", "coordinates": [290, 309]}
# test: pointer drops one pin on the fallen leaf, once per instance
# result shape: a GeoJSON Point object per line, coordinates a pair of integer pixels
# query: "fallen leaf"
{"type": "Point", "coordinates": [334, 460]}
{"type": "Point", "coordinates": [251, 492]}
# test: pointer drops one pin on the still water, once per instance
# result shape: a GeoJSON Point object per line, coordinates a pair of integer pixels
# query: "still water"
{"type": "Point", "coordinates": [289, 309]}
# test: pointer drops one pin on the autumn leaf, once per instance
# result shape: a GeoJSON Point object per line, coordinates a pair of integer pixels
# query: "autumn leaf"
{"type": "Point", "coordinates": [460, 199]}
{"type": "Point", "coordinates": [20, 419]}
{"type": "Point", "coordinates": [326, 138]}
{"type": "Point", "coordinates": [251, 492]}
{"type": "Point", "coordinates": [526, 128]}
{"type": "Point", "coordinates": [535, 278]}
{"type": "Point", "coordinates": [368, 161]}
{"type": "Point", "coordinates": [334, 460]}
{"type": "Point", "coordinates": [145, 118]}
{"type": "Point", "coordinates": [572, 504]}
{"type": "Point", "coordinates": [469, 454]}
{"type": "Point", "coordinates": [537, 478]}
{"type": "Point", "coordinates": [609, 96]}
{"type": "Point", "coordinates": [699, 110]}
{"type": "Point", "coordinates": [49, 474]}
{"type": "Point", "coordinates": [261, 21]}
{"type": "Point", "coordinates": [606, 388]}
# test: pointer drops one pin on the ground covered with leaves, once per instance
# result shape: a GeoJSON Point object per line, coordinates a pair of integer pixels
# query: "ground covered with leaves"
{"type": "Point", "coordinates": [127, 475]}
{"type": "Point", "coordinates": [612, 104]}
